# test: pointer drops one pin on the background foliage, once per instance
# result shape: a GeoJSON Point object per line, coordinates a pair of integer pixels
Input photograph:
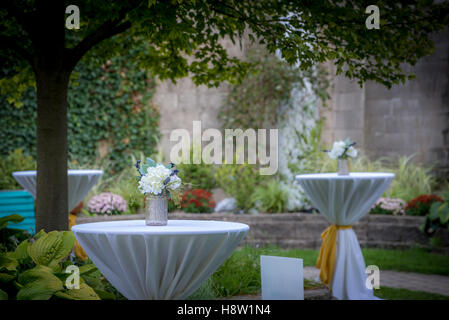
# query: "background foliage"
{"type": "Point", "coordinates": [109, 101]}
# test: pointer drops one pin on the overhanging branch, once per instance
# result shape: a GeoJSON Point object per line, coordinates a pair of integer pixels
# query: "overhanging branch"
{"type": "Point", "coordinates": [106, 30]}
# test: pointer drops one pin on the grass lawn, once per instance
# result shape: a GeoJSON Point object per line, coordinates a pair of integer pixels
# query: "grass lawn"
{"type": "Point", "coordinates": [403, 294]}
{"type": "Point", "coordinates": [240, 274]}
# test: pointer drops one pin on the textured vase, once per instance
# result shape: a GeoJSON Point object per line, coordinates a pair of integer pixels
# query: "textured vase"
{"type": "Point", "coordinates": [343, 167]}
{"type": "Point", "coordinates": [156, 210]}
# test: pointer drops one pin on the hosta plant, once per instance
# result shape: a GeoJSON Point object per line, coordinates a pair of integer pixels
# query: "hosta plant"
{"type": "Point", "coordinates": [438, 217]}
{"type": "Point", "coordinates": [35, 270]}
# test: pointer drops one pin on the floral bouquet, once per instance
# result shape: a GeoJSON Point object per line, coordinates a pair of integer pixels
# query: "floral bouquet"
{"type": "Point", "coordinates": [341, 151]}
{"type": "Point", "coordinates": [158, 183]}
{"type": "Point", "coordinates": [159, 180]}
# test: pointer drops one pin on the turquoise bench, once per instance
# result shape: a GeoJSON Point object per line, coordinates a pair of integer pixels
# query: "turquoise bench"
{"type": "Point", "coordinates": [18, 202]}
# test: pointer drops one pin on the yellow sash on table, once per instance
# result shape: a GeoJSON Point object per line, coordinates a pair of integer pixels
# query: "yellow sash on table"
{"type": "Point", "coordinates": [79, 252]}
{"type": "Point", "coordinates": [326, 257]}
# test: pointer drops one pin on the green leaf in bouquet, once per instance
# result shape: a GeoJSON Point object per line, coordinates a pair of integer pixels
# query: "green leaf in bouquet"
{"type": "Point", "coordinates": [51, 248]}
{"type": "Point", "coordinates": [83, 293]}
{"type": "Point", "coordinates": [150, 162]}
{"type": "Point", "coordinates": [143, 169]}
{"type": "Point", "coordinates": [38, 283]}
{"type": "Point", "coordinates": [15, 218]}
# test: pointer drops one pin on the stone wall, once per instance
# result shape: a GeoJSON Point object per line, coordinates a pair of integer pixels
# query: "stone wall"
{"type": "Point", "coordinates": [302, 230]}
{"type": "Point", "coordinates": [182, 103]}
{"type": "Point", "coordinates": [407, 119]}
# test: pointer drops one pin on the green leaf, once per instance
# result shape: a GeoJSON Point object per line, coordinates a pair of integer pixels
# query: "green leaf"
{"type": "Point", "coordinates": [15, 218]}
{"type": "Point", "coordinates": [83, 293]}
{"type": "Point", "coordinates": [444, 212]}
{"type": "Point", "coordinates": [38, 283]}
{"type": "Point", "coordinates": [434, 210]}
{"type": "Point", "coordinates": [5, 277]}
{"type": "Point", "coordinates": [150, 162]}
{"type": "Point", "coordinates": [3, 295]}
{"type": "Point", "coordinates": [8, 263]}
{"type": "Point", "coordinates": [50, 249]}
{"type": "Point", "coordinates": [21, 252]}
{"type": "Point", "coordinates": [87, 268]}
{"type": "Point", "coordinates": [104, 295]}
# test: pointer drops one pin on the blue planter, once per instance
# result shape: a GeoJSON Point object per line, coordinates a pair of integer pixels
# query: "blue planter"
{"type": "Point", "coordinates": [19, 202]}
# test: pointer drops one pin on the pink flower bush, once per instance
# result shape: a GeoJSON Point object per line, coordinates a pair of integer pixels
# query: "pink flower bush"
{"type": "Point", "coordinates": [107, 203]}
{"type": "Point", "coordinates": [395, 206]}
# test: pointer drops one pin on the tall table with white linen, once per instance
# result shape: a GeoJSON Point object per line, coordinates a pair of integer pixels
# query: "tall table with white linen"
{"type": "Point", "coordinates": [343, 200]}
{"type": "Point", "coordinates": [159, 262]}
{"type": "Point", "coordinates": [79, 183]}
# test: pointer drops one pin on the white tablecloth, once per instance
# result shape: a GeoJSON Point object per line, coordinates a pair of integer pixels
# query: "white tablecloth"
{"type": "Point", "coordinates": [79, 183]}
{"type": "Point", "coordinates": [343, 200]}
{"type": "Point", "coordinates": [159, 262]}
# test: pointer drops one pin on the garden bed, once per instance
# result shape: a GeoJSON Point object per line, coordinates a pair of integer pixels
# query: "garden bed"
{"type": "Point", "coordinates": [303, 230]}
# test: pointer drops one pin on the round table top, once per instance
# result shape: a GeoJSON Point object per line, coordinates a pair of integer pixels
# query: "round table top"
{"type": "Point", "coordinates": [175, 227]}
{"type": "Point", "coordinates": [352, 175]}
{"type": "Point", "coordinates": [69, 172]}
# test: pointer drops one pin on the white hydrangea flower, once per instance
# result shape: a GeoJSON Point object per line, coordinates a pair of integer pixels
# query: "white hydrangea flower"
{"type": "Point", "coordinates": [352, 152]}
{"type": "Point", "coordinates": [337, 149]}
{"type": "Point", "coordinates": [153, 181]}
{"type": "Point", "coordinates": [175, 182]}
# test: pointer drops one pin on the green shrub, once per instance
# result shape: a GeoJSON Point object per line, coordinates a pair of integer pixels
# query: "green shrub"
{"type": "Point", "coordinates": [270, 197]}
{"type": "Point", "coordinates": [15, 161]}
{"type": "Point", "coordinates": [198, 176]}
{"type": "Point", "coordinates": [35, 270]}
{"type": "Point", "coordinates": [109, 102]}
{"type": "Point", "coordinates": [420, 206]}
{"type": "Point", "coordinates": [239, 182]}
{"type": "Point", "coordinates": [411, 180]}
{"type": "Point", "coordinates": [438, 216]}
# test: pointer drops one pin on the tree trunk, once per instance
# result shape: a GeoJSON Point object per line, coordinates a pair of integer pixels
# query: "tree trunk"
{"type": "Point", "coordinates": [52, 78]}
{"type": "Point", "coordinates": [51, 198]}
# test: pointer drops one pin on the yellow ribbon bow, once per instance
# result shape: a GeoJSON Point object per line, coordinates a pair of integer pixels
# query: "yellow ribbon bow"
{"type": "Point", "coordinates": [326, 257]}
{"type": "Point", "coordinates": [79, 252]}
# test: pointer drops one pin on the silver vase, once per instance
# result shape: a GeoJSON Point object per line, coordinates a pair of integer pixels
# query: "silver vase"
{"type": "Point", "coordinates": [343, 167]}
{"type": "Point", "coordinates": [156, 213]}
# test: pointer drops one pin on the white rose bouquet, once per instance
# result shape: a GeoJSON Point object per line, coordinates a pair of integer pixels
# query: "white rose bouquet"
{"type": "Point", "coordinates": [342, 150]}
{"type": "Point", "coordinates": [157, 179]}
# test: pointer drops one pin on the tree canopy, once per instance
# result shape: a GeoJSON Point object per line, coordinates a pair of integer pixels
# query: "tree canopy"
{"type": "Point", "coordinates": [183, 38]}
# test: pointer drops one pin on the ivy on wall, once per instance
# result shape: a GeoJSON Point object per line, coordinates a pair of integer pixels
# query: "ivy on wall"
{"type": "Point", "coordinates": [109, 105]}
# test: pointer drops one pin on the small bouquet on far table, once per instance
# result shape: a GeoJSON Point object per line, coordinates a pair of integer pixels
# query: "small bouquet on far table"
{"type": "Point", "coordinates": [341, 151]}
{"type": "Point", "coordinates": [158, 183]}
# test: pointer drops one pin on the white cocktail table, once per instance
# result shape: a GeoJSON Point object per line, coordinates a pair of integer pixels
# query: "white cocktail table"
{"type": "Point", "coordinates": [343, 200]}
{"type": "Point", "coordinates": [79, 183]}
{"type": "Point", "coordinates": [159, 262]}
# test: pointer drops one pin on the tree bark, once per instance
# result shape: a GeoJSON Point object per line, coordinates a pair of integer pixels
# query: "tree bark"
{"type": "Point", "coordinates": [52, 197]}
{"type": "Point", "coordinates": [52, 78]}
